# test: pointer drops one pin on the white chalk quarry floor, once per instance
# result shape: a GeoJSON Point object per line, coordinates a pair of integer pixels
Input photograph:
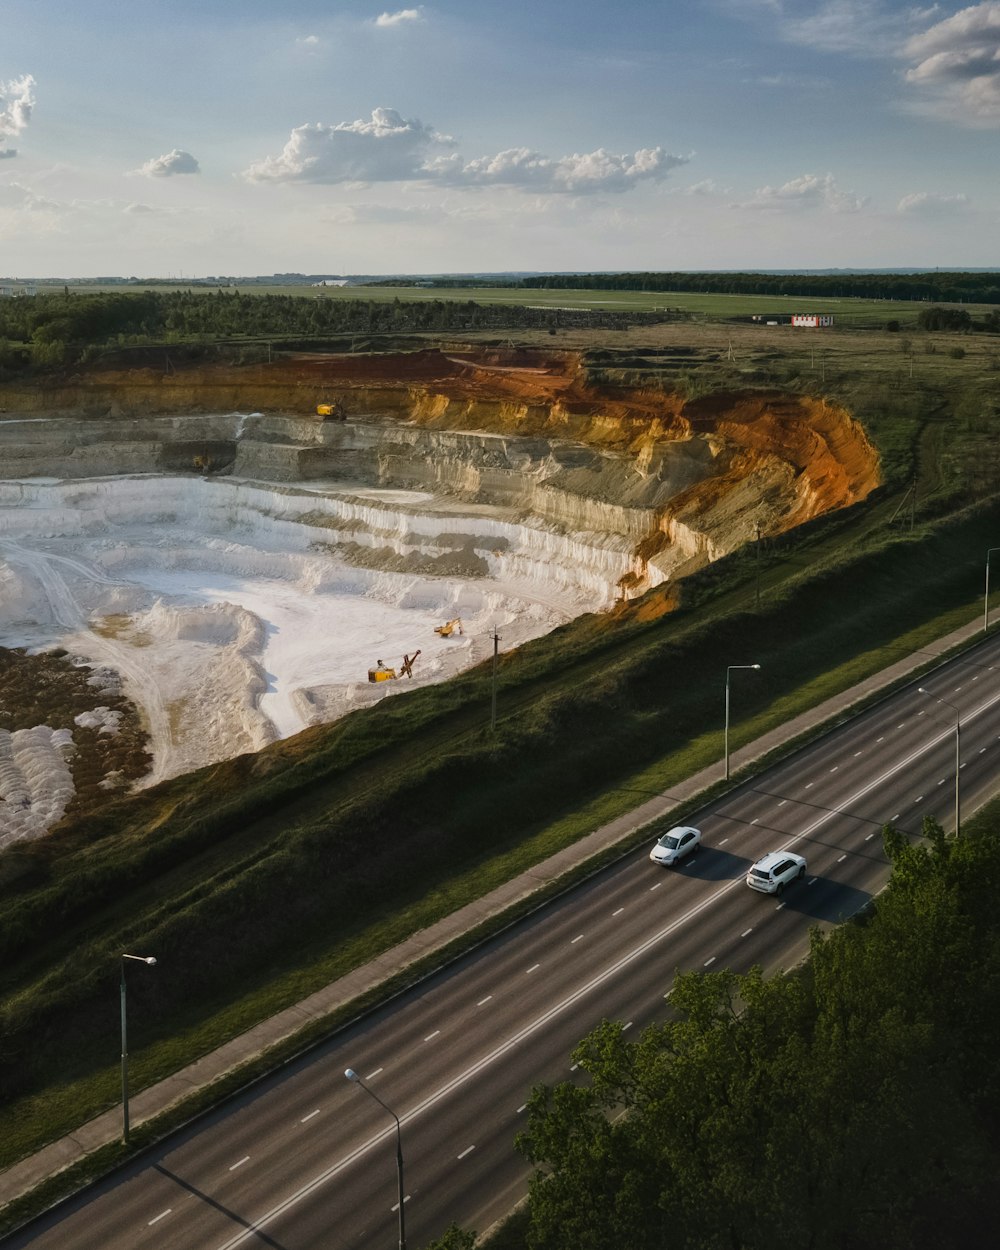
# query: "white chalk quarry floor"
{"type": "Point", "coordinates": [230, 630]}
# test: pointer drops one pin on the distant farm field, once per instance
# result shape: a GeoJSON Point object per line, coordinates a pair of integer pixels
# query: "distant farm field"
{"type": "Point", "coordinates": [853, 313]}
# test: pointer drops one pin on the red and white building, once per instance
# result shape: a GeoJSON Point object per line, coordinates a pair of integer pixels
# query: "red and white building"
{"type": "Point", "coordinates": [813, 320]}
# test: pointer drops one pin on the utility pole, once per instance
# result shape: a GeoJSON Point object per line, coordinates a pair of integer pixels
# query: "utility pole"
{"type": "Point", "coordinates": [493, 699]}
{"type": "Point", "coordinates": [757, 565]}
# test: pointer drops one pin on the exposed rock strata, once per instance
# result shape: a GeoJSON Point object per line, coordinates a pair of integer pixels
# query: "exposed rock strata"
{"type": "Point", "coordinates": [684, 481]}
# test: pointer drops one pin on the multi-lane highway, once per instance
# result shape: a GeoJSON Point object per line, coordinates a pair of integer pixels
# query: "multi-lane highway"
{"type": "Point", "coordinates": [307, 1160]}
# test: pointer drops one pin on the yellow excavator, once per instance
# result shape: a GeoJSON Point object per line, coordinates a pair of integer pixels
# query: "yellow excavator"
{"type": "Point", "coordinates": [333, 411]}
{"type": "Point", "coordinates": [381, 671]}
{"type": "Point", "coordinates": [448, 628]}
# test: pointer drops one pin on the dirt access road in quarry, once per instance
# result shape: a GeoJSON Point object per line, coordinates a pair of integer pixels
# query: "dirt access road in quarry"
{"type": "Point", "coordinates": [241, 563]}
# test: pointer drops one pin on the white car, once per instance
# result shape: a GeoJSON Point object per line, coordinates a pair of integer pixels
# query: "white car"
{"type": "Point", "coordinates": [773, 872]}
{"type": "Point", "coordinates": [675, 844]}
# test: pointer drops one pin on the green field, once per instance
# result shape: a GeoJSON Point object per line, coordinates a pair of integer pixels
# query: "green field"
{"type": "Point", "coordinates": [852, 313]}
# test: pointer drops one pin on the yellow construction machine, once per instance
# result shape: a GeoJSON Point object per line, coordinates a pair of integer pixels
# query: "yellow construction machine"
{"type": "Point", "coordinates": [381, 672]}
{"type": "Point", "coordinates": [448, 628]}
{"type": "Point", "coordinates": [333, 411]}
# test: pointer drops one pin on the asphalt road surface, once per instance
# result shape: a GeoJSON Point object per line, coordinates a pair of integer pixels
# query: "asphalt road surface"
{"type": "Point", "coordinates": [307, 1160]}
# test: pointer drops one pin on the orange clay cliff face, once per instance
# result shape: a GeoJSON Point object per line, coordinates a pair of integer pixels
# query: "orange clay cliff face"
{"type": "Point", "coordinates": [695, 478]}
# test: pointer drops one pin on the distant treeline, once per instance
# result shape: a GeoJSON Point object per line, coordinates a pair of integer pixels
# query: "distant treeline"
{"type": "Point", "coordinates": [58, 328]}
{"type": "Point", "coordinates": [952, 288]}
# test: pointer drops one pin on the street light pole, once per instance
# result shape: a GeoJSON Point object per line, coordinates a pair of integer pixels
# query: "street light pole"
{"type": "Point", "coordinates": [986, 598]}
{"type": "Point", "coordinates": [142, 959]}
{"type": "Point", "coordinates": [729, 669]}
{"type": "Point", "coordinates": [353, 1076]}
{"type": "Point", "coordinates": [958, 758]}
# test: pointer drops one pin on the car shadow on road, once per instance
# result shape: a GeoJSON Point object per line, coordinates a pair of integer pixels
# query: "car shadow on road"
{"type": "Point", "coordinates": [708, 863]}
{"type": "Point", "coordinates": [824, 900]}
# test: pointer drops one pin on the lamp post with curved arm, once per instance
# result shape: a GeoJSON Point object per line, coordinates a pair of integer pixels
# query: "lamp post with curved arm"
{"type": "Point", "coordinates": [353, 1076]}
{"type": "Point", "coordinates": [729, 669]}
{"type": "Point", "coordinates": [141, 959]}
{"type": "Point", "coordinates": [958, 757]}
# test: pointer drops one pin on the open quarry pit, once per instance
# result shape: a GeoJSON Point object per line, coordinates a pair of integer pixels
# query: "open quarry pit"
{"type": "Point", "coordinates": [240, 563]}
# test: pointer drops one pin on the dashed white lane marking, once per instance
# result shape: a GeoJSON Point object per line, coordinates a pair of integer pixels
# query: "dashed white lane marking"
{"type": "Point", "coordinates": [902, 726]}
{"type": "Point", "coordinates": [375, 1073]}
{"type": "Point", "coordinates": [626, 1026]}
{"type": "Point", "coordinates": [919, 798]}
{"type": "Point", "coordinates": [395, 1205]}
{"type": "Point", "coordinates": [577, 938]}
{"type": "Point", "coordinates": [485, 1000]}
{"type": "Point", "coordinates": [657, 886]}
{"type": "Point", "coordinates": [431, 1036]}
{"type": "Point", "coordinates": [709, 961]}
{"type": "Point", "coordinates": [941, 782]}
{"type": "Point", "coordinates": [834, 768]}
{"type": "Point", "coordinates": [755, 819]}
{"type": "Point", "coordinates": [522, 1107]}
{"type": "Point", "coordinates": [812, 880]}
{"type": "Point", "coordinates": [809, 785]}
{"type": "Point", "coordinates": [841, 860]}
{"type": "Point", "coordinates": [869, 837]}
{"type": "Point", "coordinates": [309, 1116]}
{"type": "Point", "coordinates": [882, 739]}
{"type": "Point", "coordinates": [782, 802]}
{"type": "Point", "coordinates": [856, 754]}
{"type": "Point", "coordinates": [573, 1067]}
{"type": "Point", "coordinates": [724, 841]}
{"type": "Point", "coordinates": [618, 912]}
{"type": "Point", "coordinates": [157, 1218]}
{"type": "Point", "coordinates": [746, 932]}
{"type": "Point", "coordinates": [982, 750]}
{"type": "Point", "coordinates": [533, 968]}
{"type": "Point", "coordinates": [468, 1151]}
{"type": "Point", "coordinates": [246, 1159]}
{"type": "Point", "coordinates": [779, 907]}
{"type": "Point", "coordinates": [896, 817]}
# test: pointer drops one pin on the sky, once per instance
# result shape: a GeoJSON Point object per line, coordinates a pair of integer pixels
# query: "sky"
{"type": "Point", "coordinates": [191, 138]}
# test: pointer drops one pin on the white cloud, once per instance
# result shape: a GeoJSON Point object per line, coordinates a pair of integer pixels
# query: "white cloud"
{"type": "Point", "coordinates": [861, 27]}
{"type": "Point", "coordinates": [398, 18]}
{"type": "Point", "coordinates": [707, 186]}
{"type": "Point", "coordinates": [175, 162]}
{"type": "Point", "coordinates": [308, 41]}
{"type": "Point", "coordinates": [391, 148]}
{"type": "Point", "coordinates": [16, 102]}
{"type": "Point", "coordinates": [579, 173]}
{"type": "Point", "coordinates": [16, 195]}
{"type": "Point", "coordinates": [138, 208]}
{"type": "Point", "coordinates": [388, 148]}
{"type": "Point", "coordinates": [927, 203]}
{"type": "Point", "coordinates": [958, 65]}
{"type": "Point", "coordinates": [809, 191]}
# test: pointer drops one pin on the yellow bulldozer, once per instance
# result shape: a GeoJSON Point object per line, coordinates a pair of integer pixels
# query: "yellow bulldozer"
{"type": "Point", "coordinates": [448, 628]}
{"type": "Point", "coordinates": [381, 671]}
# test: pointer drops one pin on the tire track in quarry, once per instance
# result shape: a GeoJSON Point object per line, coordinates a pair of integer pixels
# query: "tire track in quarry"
{"type": "Point", "coordinates": [141, 687]}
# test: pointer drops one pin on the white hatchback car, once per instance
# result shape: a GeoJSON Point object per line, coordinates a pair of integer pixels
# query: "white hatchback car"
{"type": "Point", "coordinates": [675, 844]}
{"type": "Point", "coordinates": [773, 872]}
